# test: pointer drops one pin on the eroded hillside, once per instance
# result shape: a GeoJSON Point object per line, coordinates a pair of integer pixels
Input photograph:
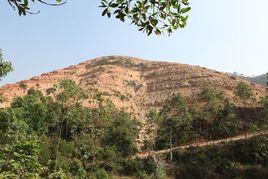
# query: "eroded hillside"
{"type": "Point", "coordinates": [134, 84]}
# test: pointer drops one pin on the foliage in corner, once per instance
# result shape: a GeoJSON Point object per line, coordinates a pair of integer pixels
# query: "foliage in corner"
{"type": "Point", "coordinates": [23, 7]}
{"type": "Point", "coordinates": [150, 16]}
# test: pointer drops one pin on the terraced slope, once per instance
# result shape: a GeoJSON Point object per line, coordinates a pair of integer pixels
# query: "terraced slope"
{"type": "Point", "coordinates": [134, 84]}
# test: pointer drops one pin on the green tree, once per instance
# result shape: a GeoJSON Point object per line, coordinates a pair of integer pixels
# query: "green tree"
{"type": "Point", "coordinates": [122, 134]}
{"type": "Point", "coordinates": [175, 121]}
{"type": "Point", "coordinates": [149, 16]}
{"type": "Point", "coordinates": [70, 112]}
{"type": "Point", "coordinates": [211, 110]}
{"type": "Point", "coordinates": [19, 151]}
{"type": "Point", "coordinates": [73, 140]}
{"type": "Point", "coordinates": [264, 105]}
{"type": "Point", "coordinates": [20, 158]}
{"type": "Point", "coordinates": [23, 86]}
{"type": "Point", "coordinates": [209, 93]}
{"type": "Point", "coordinates": [5, 66]}
{"type": "Point", "coordinates": [245, 94]}
{"type": "Point", "coordinates": [151, 128]}
{"type": "Point", "coordinates": [70, 93]}
{"type": "Point", "coordinates": [33, 109]}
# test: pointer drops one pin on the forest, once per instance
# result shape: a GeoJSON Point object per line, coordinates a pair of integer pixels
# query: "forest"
{"type": "Point", "coordinates": [52, 134]}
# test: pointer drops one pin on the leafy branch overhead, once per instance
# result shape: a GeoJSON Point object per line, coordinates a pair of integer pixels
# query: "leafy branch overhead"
{"type": "Point", "coordinates": [22, 6]}
{"type": "Point", "coordinates": [150, 16]}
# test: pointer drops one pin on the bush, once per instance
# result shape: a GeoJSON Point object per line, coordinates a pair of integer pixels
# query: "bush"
{"type": "Point", "coordinates": [101, 174]}
{"type": "Point", "coordinates": [122, 134]}
{"type": "Point", "coordinates": [227, 160]}
{"type": "Point", "coordinates": [150, 166]}
{"type": "Point", "coordinates": [160, 173]}
{"type": "Point", "coordinates": [133, 167]}
{"type": "Point", "coordinates": [77, 168]}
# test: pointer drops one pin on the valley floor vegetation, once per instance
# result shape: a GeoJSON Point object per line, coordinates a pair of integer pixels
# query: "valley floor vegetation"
{"type": "Point", "coordinates": [53, 135]}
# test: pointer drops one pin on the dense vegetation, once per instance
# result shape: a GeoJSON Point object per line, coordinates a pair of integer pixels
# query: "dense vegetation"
{"type": "Point", "coordinates": [209, 116]}
{"type": "Point", "coordinates": [53, 135]}
{"type": "Point", "coordinates": [244, 159]}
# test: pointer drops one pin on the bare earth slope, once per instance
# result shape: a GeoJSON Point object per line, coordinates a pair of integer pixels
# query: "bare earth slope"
{"type": "Point", "coordinates": [134, 84]}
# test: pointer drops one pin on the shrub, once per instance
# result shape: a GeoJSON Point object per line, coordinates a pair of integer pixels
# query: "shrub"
{"type": "Point", "coordinates": [160, 173]}
{"type": "Point", "coordinates": [101, 174]}
{"type": "Point", "coordinates": [133, 167]}
{"type": "Point", "coordinates": [150, 166]}
{"type": "Point", "coordinates": [77, 168]}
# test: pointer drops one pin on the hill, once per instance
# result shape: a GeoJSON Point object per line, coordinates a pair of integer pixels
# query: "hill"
{"type": "Point", "coordinates": [260, 79]}
{"type": "Point", "coordinates": [64, 138]}
{"type": "Point", "coordinates": [131, 83]}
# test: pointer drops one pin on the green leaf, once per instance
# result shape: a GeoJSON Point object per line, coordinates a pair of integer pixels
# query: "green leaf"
{"type": "Point", "coordinates": [184, 10]}
{"type": "Point", "coordinates": [104, 12]}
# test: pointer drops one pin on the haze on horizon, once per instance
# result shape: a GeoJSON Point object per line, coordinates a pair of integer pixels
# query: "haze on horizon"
{"type": "Point", "coordinates": [228, 36]}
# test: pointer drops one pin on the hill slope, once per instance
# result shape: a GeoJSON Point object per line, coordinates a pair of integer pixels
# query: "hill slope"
{"type": "Point", "coordinates": [134, 84]}
{"type": "Point", "coordinates": [261, 79]}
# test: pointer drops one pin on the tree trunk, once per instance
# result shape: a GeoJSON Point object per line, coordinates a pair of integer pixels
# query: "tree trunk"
{"type": "Point", "coordinates": [170, 140]}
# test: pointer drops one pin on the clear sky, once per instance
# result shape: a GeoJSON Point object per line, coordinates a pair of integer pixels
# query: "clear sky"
{"type": "Point", "coordinates": [226, 35]}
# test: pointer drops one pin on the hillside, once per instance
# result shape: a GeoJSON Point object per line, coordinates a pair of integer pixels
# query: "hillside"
{"type": "Point", "coordinates": [64, 138]}
{"type": "Point", "coordinates": [131, 83]}
{"type": "Point", "coordinates": [260, 79]}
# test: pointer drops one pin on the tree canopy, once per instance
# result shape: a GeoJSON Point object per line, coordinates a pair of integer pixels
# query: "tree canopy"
{"type": "Point", "coordinates": [149, 16]}
{"type": "Point", "coordinates": [243, 92]}
{"type": "Point", "coordinates": [5, 66]}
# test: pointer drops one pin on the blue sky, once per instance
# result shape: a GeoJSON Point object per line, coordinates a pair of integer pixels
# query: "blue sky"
{"type": "Point", "coordinates": [226, 35]}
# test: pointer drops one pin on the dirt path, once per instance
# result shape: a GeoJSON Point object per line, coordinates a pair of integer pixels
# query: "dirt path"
{"type": "Point", "coordinates": [204, 144]}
